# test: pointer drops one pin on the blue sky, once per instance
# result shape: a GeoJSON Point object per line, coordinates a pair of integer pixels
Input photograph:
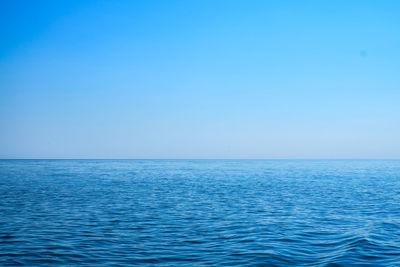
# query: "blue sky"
{"type": "Point", "coordinates": [199, 79]}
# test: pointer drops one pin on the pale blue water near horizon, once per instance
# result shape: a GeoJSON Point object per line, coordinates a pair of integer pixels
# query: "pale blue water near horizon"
{"type": "Point", "coordinates": [200, 212]}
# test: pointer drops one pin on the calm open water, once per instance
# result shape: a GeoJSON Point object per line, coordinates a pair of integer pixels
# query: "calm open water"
{"type": "Point", "coordinates": [200, 212]}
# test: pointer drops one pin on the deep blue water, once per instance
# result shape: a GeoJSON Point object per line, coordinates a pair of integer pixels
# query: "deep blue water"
{"type": "Point", "coordinates": [200, 212]}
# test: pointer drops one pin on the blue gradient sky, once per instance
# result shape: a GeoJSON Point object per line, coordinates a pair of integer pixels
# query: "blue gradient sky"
{"type": "Point", "coordinates": [199, 79]}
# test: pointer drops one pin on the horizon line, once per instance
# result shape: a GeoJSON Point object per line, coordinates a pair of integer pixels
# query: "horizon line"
{"type": "Point", "coordinates": [199, 158]}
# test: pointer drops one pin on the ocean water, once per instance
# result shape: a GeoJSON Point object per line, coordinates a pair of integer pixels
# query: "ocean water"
{"type": "Point", "coordinates": [200, 212]}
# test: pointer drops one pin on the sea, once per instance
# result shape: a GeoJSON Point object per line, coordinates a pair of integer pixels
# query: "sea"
{"type": "Point", "coordinates": [200, 212]}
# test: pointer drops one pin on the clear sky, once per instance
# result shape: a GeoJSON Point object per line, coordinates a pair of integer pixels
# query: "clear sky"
{"type": "Point", "coordinates": [199, 79]}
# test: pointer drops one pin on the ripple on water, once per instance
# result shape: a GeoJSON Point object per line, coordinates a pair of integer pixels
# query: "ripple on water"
{"type": "Point", "coordinates": [200, 212]}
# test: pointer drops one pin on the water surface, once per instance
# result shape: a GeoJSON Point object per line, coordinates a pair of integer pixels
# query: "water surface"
{"type": "Point", "coordinates": [200, 212]}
